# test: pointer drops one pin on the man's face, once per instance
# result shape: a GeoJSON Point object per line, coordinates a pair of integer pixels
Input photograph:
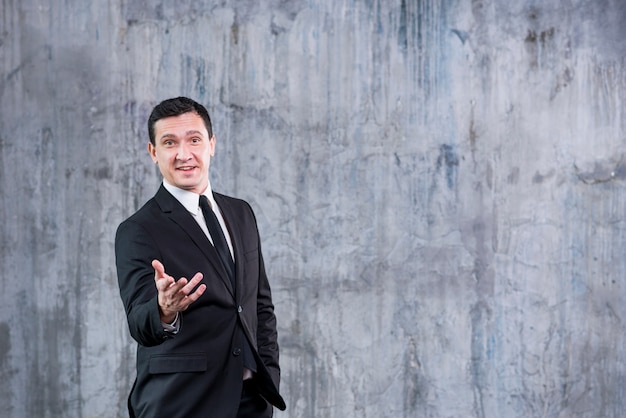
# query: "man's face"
{"type": "Point", "coordinates": [183, 151]}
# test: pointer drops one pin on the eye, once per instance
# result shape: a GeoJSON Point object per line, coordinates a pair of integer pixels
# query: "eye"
{"type": "Point", "coordinates": [196, 140]}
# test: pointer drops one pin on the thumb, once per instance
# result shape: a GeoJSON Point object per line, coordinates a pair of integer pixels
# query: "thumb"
{"type": "Point", "coordinates": [159, 270]}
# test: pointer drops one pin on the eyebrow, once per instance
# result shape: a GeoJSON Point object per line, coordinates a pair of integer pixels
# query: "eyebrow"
{"type": "Point", "coordinates": [188, 133]}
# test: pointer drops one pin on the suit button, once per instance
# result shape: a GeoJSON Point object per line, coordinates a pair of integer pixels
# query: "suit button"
{"type": "Point", "coordinates": [236, 351]}
{"type": "Point", "coordinates": [239, 309]}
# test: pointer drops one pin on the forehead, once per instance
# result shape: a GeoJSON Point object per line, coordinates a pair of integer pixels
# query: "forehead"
{"type": "Point", "coordinates": [181, 125]}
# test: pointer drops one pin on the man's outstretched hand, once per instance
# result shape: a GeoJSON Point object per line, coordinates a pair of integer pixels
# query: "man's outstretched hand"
{"type": "Point", "coordinates": [175, 296]}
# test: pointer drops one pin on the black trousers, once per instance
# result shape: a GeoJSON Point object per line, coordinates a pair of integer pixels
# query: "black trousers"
{"type": "Point", "coordinates": [252, 405]}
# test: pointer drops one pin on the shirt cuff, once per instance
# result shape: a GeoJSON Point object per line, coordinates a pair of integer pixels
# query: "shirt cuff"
{"type": "Point", "coordinates": [174, 327]}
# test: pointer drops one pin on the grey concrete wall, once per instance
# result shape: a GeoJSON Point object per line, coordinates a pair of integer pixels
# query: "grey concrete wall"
{"type": "Point", "coordinates": [439, 187]}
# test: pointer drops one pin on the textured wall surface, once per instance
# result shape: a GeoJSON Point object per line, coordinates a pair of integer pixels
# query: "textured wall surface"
{"type": "Point", "coordinates": [439, 186]}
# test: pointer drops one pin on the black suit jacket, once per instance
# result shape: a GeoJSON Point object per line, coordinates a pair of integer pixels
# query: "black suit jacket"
{"type": "Point", "coordinates": [198, 371]}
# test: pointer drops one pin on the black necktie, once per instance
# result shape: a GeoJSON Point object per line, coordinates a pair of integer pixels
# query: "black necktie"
{"type": "Point", "coordinates": [219, 240]}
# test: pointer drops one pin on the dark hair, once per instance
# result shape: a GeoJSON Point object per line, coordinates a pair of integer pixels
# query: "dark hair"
{"type": "Point", "coordinates": [177, 107]}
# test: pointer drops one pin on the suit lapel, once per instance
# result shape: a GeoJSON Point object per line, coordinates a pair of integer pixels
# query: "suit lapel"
{"type": "Point", "coordinates": [174, 210]}
{"type": "Point", "coordinates": [235, 236]}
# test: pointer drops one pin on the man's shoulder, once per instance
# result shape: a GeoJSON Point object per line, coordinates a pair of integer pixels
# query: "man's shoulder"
{"type": "Point", "coordinates": [145, 209]}
{"type": "Point", "coordinates": [231, 199]}
{"type": "Point", "coordinates": [152, 208]}
{"type": "Point", "coordinates": [141, 216]}
{"type": "Point", "coordinates": [231, 203]}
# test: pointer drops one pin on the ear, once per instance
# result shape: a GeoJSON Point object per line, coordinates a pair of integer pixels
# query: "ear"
{"type": "Point", "coordinates": [152, 152]}
{"type": "Point", "coordinates": [212, 145]}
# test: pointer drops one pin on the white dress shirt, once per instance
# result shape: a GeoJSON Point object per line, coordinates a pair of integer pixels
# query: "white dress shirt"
{"type": "Point", "coordinates": [191, 202]}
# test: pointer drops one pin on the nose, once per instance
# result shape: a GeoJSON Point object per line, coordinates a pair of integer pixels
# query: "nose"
{"type": "Point", "coordinates": [183, 153]}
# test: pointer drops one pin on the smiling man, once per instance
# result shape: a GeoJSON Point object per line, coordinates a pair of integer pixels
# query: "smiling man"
{"type": "Point", "coordinates": [193, 283]}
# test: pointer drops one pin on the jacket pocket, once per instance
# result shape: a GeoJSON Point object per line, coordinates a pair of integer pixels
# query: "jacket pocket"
{"type": "Point", "coordinates": [181, 363]}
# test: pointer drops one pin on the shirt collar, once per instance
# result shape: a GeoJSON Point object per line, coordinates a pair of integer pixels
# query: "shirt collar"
{"type": "Point", "coordinates": [189, 199]}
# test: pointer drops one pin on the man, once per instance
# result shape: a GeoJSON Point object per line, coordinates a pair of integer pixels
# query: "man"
{"type": "Point", "coordinates": [194, 287]}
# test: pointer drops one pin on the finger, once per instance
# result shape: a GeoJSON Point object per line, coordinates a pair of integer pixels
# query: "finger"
{"type": "Point", "coordinates": [192, 283]}
{"type": "Point", "coordinates": [159, 269]}
{"type": "Point", "coordinates": [187, 293]}
{"type": "Point", "coordinates": [192, 297]}
{"type": "Point", "coordinates": [162, 279]}
{"type": "Point", "coordinates": [188, 288]}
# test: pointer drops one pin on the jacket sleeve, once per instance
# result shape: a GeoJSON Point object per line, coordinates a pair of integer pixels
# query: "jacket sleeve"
{"type": "Point", "coordinates": [267, 335]}
{"type": "Point", "coordinates": [134, 251]}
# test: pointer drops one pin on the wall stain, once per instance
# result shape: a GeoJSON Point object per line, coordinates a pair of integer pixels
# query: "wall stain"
{"type": "Point", "coordinates": [102, 172]}
{"type": "Point", "coordinates": [541, 37]}
{"type": "Point", "coordinates": [537, 44]}
{"type": "Point", "coordinates": [539, 178]}
{"type": "Point", "coordinates": [403, 42]}
{"type": "Point", "coordinates": [513, 177]}
{"type": "Point", "coordinates": [448, 160]}
{"type": "Point", "coordinates": [482, 353]}
{"type": "Point", "coordinates": [563, 80]}
{"type": "Point", "coordinates": [5, 345]}
{"type": "Point", "coordinates": [461, 34]}
{"type": "Point", "coordinates": [415, 390]}
{"type": "Point", "coordinates": [602, 171]}
{"type": "Point", "coordinates": [234, 33]}
{"type": "Point", "coordinates": [473, 135]}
